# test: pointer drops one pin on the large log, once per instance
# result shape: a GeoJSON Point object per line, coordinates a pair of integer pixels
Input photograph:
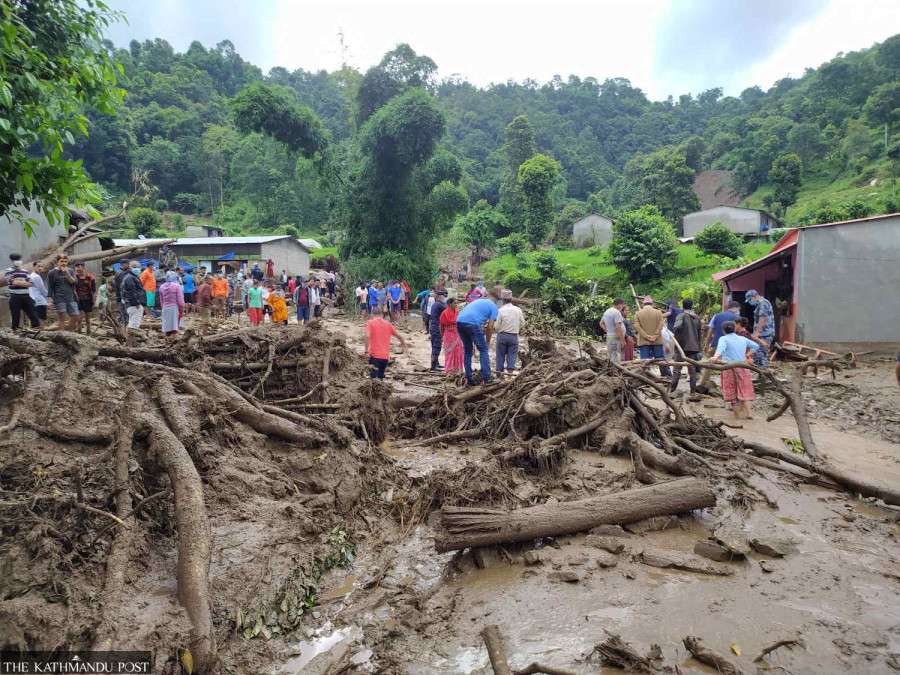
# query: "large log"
{"type": "Point", "coordinates": [471, 527]}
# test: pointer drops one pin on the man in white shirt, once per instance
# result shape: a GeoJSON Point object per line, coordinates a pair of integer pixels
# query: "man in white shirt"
{"type": "Point", "coordinates": [362, 298]}
{"type": "Point", "coordinates": [510, 320]}
{"type": "Point", "coordinates": [614, 325]}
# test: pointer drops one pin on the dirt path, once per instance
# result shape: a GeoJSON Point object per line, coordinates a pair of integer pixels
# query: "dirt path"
{"type": "Point", "coordinates": [403, 608]}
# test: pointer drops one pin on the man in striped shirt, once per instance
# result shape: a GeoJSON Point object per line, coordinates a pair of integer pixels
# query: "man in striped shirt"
{"type": "Point", "coordinates": [19, 292]}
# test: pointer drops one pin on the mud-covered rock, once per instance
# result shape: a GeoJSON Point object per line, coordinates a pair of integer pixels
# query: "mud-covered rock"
{"type": "Point", "coordinates": [614, 546]}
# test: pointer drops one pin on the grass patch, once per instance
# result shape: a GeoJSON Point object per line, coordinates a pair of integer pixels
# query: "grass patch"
{"type": "Point", "coordinates": [323, 252]}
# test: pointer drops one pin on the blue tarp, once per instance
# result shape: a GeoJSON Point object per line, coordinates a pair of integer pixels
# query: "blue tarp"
{"type": "Point", "coordinates": [227, 256]}
{"type": "Point", "coordinates": [186, 266]}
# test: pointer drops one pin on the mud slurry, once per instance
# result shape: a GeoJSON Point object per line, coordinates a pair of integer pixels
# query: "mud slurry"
{"type": "Point", "coordinates": [839, 589]}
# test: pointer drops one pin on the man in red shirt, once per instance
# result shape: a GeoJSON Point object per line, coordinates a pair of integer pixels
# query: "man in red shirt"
{"type": "Point", "coordinates": [378, 342]}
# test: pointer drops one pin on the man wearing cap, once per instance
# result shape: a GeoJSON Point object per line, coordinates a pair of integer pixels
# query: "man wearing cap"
{"type": "Point", "coordinates": [763, 325]}
{"type": "Point", "coordinates": [437, 308]}
{"type": "Point", "coordinates": [510, 320]}
{"type": "Point", "coordinates": [470, 324]}
{"type": "Point", "coordinates": [649, 323]}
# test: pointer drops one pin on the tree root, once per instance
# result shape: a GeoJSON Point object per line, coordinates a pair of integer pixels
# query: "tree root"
{"type": "Point", "coordinates": [790, 644]}
{"type": "Point", "coordinates": [174, 412]}
{"type": "Point", "coordinates": [194, 538]}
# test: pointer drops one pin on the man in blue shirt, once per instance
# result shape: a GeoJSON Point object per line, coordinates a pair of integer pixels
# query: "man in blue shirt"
{"type": "Point", "coordinates": [394, 293]}
{"type": "Point", "coordinates": [470, 326]}
{"type": "Point", "coordinates": [435, 329]}
{"type": "Point", "coordinates": [763, 325]}
{"type": "Point", "coordinates": [672, 313]}
{"type": "Point", "coordinates": [712, 338]}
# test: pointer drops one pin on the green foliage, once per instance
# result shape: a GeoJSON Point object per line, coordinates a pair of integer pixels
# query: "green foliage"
{"type": "Point", "coordinates": [178, 222]}
{"type": "Point", "coordinates": [479, 226]}
{"type": "Point", "coordinates": [536, 179]}
{"type": "Point", "coordinates": [291, 231]}
{"type": "Point", "coordinates": [518, 147]}
{"type": "Point", "coordinates": [572, 212]}
{"type": "Point", "coordinates": [595, 251]}
{"type": "Point", "coordinates": [717, 239]}
{"type": "Point", "coordinates": [185, 202]}
{"type": "Point", "coordinates": [786, 177]}
{"type": "Point", "coordinates": [161, 205]}
{"type": "Point", "coordinates": [390, 220]}
{"type": "Point", "coordinates": [644, 246]}
{"type": "Point", "coordinates": [546, 265]}
{"type": "Point", "coordinates": [666, 181]}
{"type": "Point", "coordinates": [144, 221]}
{"type": "Point", "coordinates": [883, 107]}
{"type": "Point", "coordinates": [447, 201]}
{"type": "Point", "coordinates": [514, 243]}
{"type": "Point", "coordinates": [270, 109]}
{"type": "Point", "coordinates": [53, 68]}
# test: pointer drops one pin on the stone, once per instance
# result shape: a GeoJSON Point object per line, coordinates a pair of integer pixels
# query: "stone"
{"type": "Point", "coordinates": [609, 531]}
{"type": "Point", "coordinates": [766, 566]}
{"type": "Point", "coordinates": [658, 557]}
{"type": "Point", "coordinates": [731, 536]}
{"type": "Point", "coordinates": [537, 557]}
{"type": "Point", "coordinates": [577, 559]}
{"type": "Point", "coordinates": [605, 559]}
{"type": "Point", "coordinates": [485, 556]}
{"type": "Point", "coordinates": [777, 548]}
{"type": "Point", "coordinates": [606, 543]}
{"type": "Point", "coordinates": [712, 550]}
{"type": "Point", "coordinates": [567, 576]}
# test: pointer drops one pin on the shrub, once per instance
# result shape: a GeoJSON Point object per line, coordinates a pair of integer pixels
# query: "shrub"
{"type": "Point", "coordinates": [144, 221]}
{"type": "Point", "coordinates": [186, 202]}
{"type": "Point", "coordinates": [522, 259]}
{"type": "Point", "coordinates": [717, 239]}
{"type": "Point", "coordinates": [644, 245]}
{"type": "Point", "coordinates": [512, 243]}
{"type": "Point", "coordinates": [161, 205]}
{"type": "Point", "coordinates": [518, 282]}
{"type": "Point", "coordinates": [291, 231]}
{"type": "Point", "coordinates": [178, 222]}
{"type": "Point", "coordinates": [546, 265]}
{"type": "Point", "coordinates": [595, 251]}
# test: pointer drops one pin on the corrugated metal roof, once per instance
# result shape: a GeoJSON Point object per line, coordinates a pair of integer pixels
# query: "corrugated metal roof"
{"type": "Point", "coordinates": [200, 241]}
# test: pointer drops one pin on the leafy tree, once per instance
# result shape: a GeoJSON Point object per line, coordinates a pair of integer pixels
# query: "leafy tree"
{"type": "Point", "coordinates": [786, 177]}
{"type": "Point", "coordinates": [390, 221]}
{"type": "Point", "coordinates": [717, 239]}
{"type": "Point", "coordinates": [667, 182]}
{"type": "Point", "coordinates": [270, 109]}
{"type": "Point", "coordinates": [568, 216]}
{"type": "Point", "coordinates": [514, 243]}
{"type": "Point", "coordinates": [857, 143]}
{"type": "Point", "coordinates": [806, 142]}
{"type": "Point", "coordinates": [889, 56]}
{"type": "Point", "coordinates": [518, 147]}
{"type": "Point", "coordinates": [536, 179]}
{"type": "Point", "coordinates": [399, 69]}
{"type": "Point", "coordinates": [547, 265]}
{"type": "Point", "coordinates": [144, 221]}
{"type": "Point", "coordinates": [883, 107]}
{"type": "Point", "coordinates": [644, 245]}
{"type": "Point", "coordinates": [447, 201]}
{"type": "Point", "coordinates": [53, 67]}
{"type": "Point", "coordinates": [478, 227]}
{"type": "Point", "coordinates": [217, 147]}
{"type": "Point", "coordinates": [186, 202]}
{"type": "Point", "coordinates": [161, 205]}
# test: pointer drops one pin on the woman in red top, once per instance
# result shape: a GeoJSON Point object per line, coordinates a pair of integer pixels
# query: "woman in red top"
{"type": "Point", "coordinates": [453, 349]}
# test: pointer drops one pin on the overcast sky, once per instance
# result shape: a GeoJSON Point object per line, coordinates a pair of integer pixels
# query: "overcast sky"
{"type": "Point", "coordinates": [663, 46]}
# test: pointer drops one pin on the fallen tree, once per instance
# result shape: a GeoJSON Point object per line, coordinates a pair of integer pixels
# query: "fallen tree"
{"type": "Point", "coordinates": [471, 527]}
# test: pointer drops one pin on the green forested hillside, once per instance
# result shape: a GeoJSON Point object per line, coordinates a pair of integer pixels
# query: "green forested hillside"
{"type": "Point", "coordinates": [608, 139]}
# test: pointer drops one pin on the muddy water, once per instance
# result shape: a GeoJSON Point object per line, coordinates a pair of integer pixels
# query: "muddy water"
{"type": "Point", "coordinates": [840, 590]}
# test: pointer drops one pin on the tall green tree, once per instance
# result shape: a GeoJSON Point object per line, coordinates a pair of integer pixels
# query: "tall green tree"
{"type": "Point", "coordinates": [53, 67]}
{"type": "Point", "coordinates": [666, 181]}
{"type": "Point", "coordinates": [883, 107]}
{"type": "Point", "coordinates": [786, 177]}
{"type": "Point", "coordinates": [389, 220]}
{"type": "Point", "coordinates": [217, 146]}
{"type": "Point", "coordinates": [537, 176]}
{"type": "Point", "coordinates": [518, 146]}
{"type": "Point", "coordinates": [480, 227]}
{"type": "Point", "coordinates": [644, 245]}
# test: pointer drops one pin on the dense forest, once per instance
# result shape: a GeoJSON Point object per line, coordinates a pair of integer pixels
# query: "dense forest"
{"type": "Point", "coordinates": [612, 145]}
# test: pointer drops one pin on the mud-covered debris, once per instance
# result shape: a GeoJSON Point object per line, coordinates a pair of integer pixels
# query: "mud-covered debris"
{"type": "Point", "coordinates": [606, 560]}
{"type": "Point", "coordinates": [773, 546]}
{"type": "Point", "coordinates": [657, 557]}
{"type": "Point", "coordinates": [567, 576]}
{"type": "Point", "coordinates": [713, 550]}
{"type": "Point", "coordinates": [731, 536]}
{"type": "Point", "coordinates": [609, 531]}
{"type": "Point", "coordinates": [614, 546]}
{"type": "Point", "coordinates": [655, 524]}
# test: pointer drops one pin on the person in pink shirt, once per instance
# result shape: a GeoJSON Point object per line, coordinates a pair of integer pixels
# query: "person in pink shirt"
{"type": "Point", "coordinates": [171, 299]}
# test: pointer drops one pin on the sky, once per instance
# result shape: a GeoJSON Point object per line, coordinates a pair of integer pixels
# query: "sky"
{"type": "Point", "coordinates": [665, 47]}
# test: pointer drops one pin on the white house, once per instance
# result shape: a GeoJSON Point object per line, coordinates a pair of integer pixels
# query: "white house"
{"type": "Point", "coordinates": [740, 220]}
{"type": "Point", "coordinates": [592, 230]}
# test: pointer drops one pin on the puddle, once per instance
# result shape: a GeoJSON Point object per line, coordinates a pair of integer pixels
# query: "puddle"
{"type": "Point", "coordinates": [343, 589]}
{"type": "Point", "coordinates": [306, 650]}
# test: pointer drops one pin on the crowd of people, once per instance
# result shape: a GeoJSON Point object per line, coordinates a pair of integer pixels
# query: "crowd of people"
{"type": "Point", "coordinates": [728, 339]}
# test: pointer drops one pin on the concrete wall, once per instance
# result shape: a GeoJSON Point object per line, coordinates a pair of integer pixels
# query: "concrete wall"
{"type": "Point", "coordinates": [739, 221]}
{"type": "Point", "coordinates": [287, 254]}
{"type": "Point", "coordinates": [592, 230]}
{"type": "Point", "coordinates": [848, 277]}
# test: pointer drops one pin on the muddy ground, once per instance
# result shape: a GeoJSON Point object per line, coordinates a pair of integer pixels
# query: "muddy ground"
{"type": "Point", "coordinates": [387, 601]}
{"type": "Point", "coordinates": [838, 588]}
